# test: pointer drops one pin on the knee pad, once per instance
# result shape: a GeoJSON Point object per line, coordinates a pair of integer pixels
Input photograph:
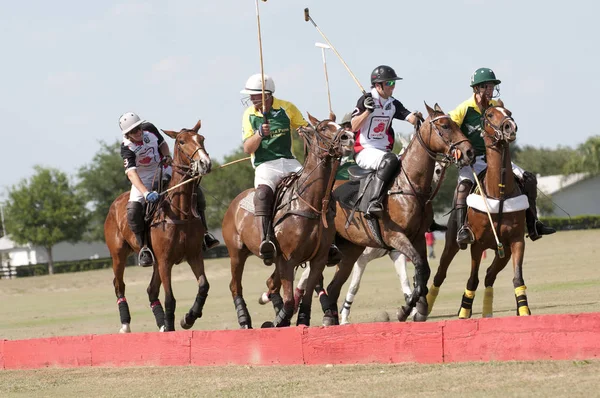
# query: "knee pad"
{"type": "Point", "coordinates": [263, 198]}
{"type": "Point", "coordinates": [529, 183]}
{"type": "Point", "coordinates": [388, 167]}
{"type": "Point", "coordinates": [462, 191]}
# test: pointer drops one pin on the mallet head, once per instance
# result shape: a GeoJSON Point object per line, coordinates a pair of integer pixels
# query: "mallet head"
{"type": "Point", "coordinates": [306, 15]}
{"type": "Point", "coordinates": [323, 45]}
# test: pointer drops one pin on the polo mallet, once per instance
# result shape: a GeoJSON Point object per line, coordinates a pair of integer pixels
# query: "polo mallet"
{"type": "Point", "coordinates": [307, 18]}
{"type": "Point", "coordinates": [324, 47]}
{"type": "Point", "coordinates": [262, 70]}
{"type": "Point", "coordinates": [500, 247]}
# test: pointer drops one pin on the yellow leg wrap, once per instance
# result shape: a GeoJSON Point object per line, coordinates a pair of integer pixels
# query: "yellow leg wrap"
{"type": "Point", "coordinates": [431, 296]}
{"type": "Point", "coordinates": [465, 313]}
{"type": "Point", "coordinates": [521, 294]}
{"type": "Point", "coordinates": [488, 302]}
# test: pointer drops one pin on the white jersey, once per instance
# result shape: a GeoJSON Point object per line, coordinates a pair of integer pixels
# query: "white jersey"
{"type": "Point", "coordinates": [376, 131]}
{"type": "Point", "coordinates": [143, 156]}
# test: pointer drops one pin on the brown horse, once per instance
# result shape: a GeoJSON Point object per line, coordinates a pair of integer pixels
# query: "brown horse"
{"type": "Point", "coordinates": [303, 223]}
{"type": "Point", "coordinates": [408, 211]}
{"type": "Point", "coordinates": [176, 234]}
{"type": "Point", "coordinates": [499, 130]}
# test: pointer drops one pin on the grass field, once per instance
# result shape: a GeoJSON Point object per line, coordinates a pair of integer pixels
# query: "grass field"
{"type": "Point", "coordinates": [560, 271]}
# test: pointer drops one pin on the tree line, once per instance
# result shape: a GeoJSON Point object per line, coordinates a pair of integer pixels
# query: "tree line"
{"type": "Point", "coordinates": [50, 207]}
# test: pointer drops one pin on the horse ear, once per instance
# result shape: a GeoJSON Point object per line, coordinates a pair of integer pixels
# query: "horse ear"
{"type": "Point", "coordinates": [170, 133]}
{"type": "Point", "coordinates": [437, 108]}
{"type": "Point", "coordinates": [429, 110]}
{"type": "Point", "coordinates": [500, 103]}
{"type": "Point", "coordinates": [312, 119]}
{"type": "Point", "coordinates": [197, 126]}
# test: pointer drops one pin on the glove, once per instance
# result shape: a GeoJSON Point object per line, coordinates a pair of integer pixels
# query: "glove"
{"type": "Point", "coordinates": [369, 103]}
{"type": "Point", "coordinates": [151, 197]}
{"type": "Point", "coordinates": [265, 130]}
{"type": "Point", "coordinates": [168, 160]}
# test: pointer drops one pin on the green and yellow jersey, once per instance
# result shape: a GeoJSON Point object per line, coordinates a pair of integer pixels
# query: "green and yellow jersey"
{"type": "Point", "coordinates": [468, 118]}
{"type": "Point", "coordinates": [283, 118]}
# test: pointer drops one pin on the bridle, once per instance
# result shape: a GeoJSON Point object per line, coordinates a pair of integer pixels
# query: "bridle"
{"type": "Point", "coordinates": [498, 135]}
{"type": "Point", "coordinates": [192, 169]}
{"type": "Point", "coordinates": [444, 158]}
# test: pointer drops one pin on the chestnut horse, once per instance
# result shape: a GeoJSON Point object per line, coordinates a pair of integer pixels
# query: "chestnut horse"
{"type": "Point", "coordinates": [499, 185]}
{"type": "Point", "coordinates": [303, 223]}
{"type": "Point", "coordinates": [176, 234]}
{"type": "Point", "coordinates": [408, 211]}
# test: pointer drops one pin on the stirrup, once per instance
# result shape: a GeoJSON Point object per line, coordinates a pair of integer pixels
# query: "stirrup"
{"type": "Point", "coordinates": [462, 243]}
{"type": "Point", "coordinates": [146, 250]}
{"type": "Point", "coordinates": [374, 210]}
{"type": "Point", "coordinates": [267, 251]}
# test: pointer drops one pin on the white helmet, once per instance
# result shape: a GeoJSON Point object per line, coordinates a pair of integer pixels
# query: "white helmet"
{"type": "Point", "coordinates": [254, 85]}
{"type": "Point", "coordinates": [129, 121]}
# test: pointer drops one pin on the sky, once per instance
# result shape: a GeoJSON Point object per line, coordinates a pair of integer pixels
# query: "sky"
{"type": "Point", "coordinates": [71, 68]}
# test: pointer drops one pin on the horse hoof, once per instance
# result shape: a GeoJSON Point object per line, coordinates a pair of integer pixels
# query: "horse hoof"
{"type": "Point", "coordinates": [418, 317]}
{"type": "Point", "coordinates": [330, 321]}
{"type": "Point", "coordinates": [125, 328]}
{"type": "Point", "coordinates": [403, 313]}
{"type": "Point", "coordinates": [267, 324]}
{"type": "Point", "coordinates": [162, 329]}
{"type": "Point", "coordinates": [184, 324]}
{"type": "Point", "coordinates": [264, 299]}
{"type": "Point", "coordinates": [245, 327]}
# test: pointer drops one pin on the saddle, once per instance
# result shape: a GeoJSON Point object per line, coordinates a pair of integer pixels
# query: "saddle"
{"type": "Point", "coordinates": [354, 196]}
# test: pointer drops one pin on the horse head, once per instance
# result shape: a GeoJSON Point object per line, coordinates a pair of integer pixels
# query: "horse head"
{"type": "Point", "coordinates": [440, 135]}
{"type": "Point", "coordinates": [327, 138]}
{"type": "Point", "coordinates": [498, 125]}
{"type": "Point", "coordinates": [190, 156]}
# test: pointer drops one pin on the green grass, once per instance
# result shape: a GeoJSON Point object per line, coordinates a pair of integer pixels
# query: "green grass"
{"type": "Point", "coordinates": [560, 272]}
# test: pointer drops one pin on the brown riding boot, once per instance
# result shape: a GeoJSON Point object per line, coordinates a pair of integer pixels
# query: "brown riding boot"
{"type": "Point", "coordinates": [464, 236]}
{"type": "Point", "coordinates": [135, 219]}
{"type": "Point", "coordinates": [535, 228]}
{"type": "Point", "coordinates": [263, 204]}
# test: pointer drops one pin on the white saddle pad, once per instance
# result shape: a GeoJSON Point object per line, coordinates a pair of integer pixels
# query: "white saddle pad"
{"type": "Point", "coordinates": [511, 205]}
{"type": "Point", "coordinates": [248, 202]}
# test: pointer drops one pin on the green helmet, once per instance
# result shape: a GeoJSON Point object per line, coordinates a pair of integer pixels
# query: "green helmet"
{"type": "Point", "coordinates": [483, 75]}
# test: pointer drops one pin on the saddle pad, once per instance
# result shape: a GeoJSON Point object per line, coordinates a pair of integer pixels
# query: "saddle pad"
{"type": "Point", "coordinates": [511, 205]}
{"type": "Point", "coordinates": [248, 202]}
{"type": "Point", "coordinates": [347, 194]}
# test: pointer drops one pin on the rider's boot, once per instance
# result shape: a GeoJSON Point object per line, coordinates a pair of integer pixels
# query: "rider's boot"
{"type": "Point", "coordinates": [263, 204]}
{"type": "Point", "coordinates": [209, 240]}
{"type": "Point", "coordinates": [387, 169]}
{"type": "Point", "coordinates": [464, 235]}
{"type": "Point", "coordinates": [135, 219]}
{"type": "Point", "coordinates": [535, 228]}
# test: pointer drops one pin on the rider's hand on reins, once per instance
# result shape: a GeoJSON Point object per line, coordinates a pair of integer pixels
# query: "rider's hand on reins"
{"type": "Point", "coordinates": [167, 160]}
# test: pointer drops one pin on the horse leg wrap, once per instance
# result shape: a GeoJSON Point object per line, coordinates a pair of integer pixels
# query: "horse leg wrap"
{"type": "Point", "coordinates": [242, 312]}
{"type": "Point", "coordinates": [124, 310]}
{"type": "Point", "coordinates": [196, 310]}
{"type": "Point", "coordinates": [466, 304]}
{"type": "Point", "coordinates": [521, 297]}
{"type": "Point", "coordinates": [284, 316]}
{"type": "Point", "coordinates": [159, 313]}
{"type": "Point", "coordinates": [277, 301]}
{"type": "Point", "coordinates": [488, 302]}
{"type": "Point", "coordinates": [431, 297]}
{"type": "Point", "coordinates": [323, 299]}
{"type": "Point", "coordinates": [303, 315]}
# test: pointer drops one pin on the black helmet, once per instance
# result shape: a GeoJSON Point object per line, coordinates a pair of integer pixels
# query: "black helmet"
{"type": "Point", "coordinates": [383, 73]}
